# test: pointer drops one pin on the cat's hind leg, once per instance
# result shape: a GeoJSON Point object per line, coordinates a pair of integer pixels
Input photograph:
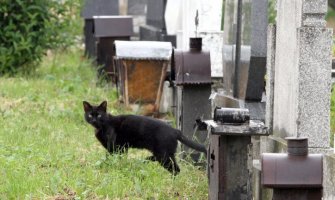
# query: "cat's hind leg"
{"type": "Point", "coordinates": [169, 163]}
{"type": "Point", "coordinates": [151, 158]}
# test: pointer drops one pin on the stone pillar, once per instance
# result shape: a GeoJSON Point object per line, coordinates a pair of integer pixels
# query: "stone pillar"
{"type": "Point", "coordinates": [270, 72]}
{"type": "Point", "coordinates": [303, 72]}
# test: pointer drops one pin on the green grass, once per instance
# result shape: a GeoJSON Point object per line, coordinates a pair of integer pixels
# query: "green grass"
{"type": "Point", "coordinates": [332, 118]}
{"type": "Point", "coordinates": [48, 151]}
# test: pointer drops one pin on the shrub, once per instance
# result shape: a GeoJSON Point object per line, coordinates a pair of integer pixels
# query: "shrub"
{"type": "Point", "coordinates": [29, 28]}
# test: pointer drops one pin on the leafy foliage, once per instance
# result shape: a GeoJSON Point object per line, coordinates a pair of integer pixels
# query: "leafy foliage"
{"type": "Point", "coordinates": [272, 13]}
{"type": "Point", "coordinates": [29, 28]}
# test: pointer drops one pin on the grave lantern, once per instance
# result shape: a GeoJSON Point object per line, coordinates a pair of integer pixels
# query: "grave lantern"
{"type": "Point", "coordinates": [142, 67]}
{"type": "Point", "coordinates": [191, 71]}
{"type": "Point", "coordinates": [293, 175]}
{"type": "Point", "coordinates": [95, 8]}
{"type": "Point", "coordinates": [108, 29]}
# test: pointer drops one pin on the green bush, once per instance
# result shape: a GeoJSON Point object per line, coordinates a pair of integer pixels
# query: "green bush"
{"type": "Point", "coordinates": [29, 28]}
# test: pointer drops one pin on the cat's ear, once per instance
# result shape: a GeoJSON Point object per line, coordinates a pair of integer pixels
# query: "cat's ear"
{"type": "Point", "coordinates": [103, 106]}
{"type": "Point", "coordinates": [87, 106]}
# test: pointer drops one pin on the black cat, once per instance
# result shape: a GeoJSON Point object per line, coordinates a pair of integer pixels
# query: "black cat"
{"type": "Point", "coordinates": [117, 133]}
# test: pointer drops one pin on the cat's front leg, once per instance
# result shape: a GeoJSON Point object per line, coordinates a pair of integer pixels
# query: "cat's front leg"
{"type": "Point", "coordinates": [111, 138]}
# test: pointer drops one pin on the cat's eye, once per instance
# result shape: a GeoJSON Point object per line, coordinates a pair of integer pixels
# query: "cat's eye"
{"type": "Point", "coordinates": [89, 116]}
{"type": "Point", "coordinates": [99, 116]}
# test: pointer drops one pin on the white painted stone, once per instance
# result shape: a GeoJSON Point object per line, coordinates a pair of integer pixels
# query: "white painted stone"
{"type": "Point", "coordinates": [173, 14]}
{"type": "Point", "coordinates": [212, 41]}
{"type": "Point", "coordinates": [286, 70]}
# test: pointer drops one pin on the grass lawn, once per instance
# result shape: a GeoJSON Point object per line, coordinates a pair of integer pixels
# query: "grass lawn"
{"type": "Point", "coordinates": [48, 151]}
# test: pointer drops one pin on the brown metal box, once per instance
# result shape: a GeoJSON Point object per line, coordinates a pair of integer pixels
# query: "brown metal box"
{"type": "Point", "coordinates": [286, 171]}
{"type": "Point", "coordinates": [192, 67]}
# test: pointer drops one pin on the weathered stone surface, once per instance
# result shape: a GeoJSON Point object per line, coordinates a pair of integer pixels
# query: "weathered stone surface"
{"type": "Point", "coordinates": [230, 167]}
{"type": "Point", "coordinates": [259, 17]}
{"type": "Point", "coordinates": [270, 74]}
{"type": "Point", "coordinates": [312, 6]}
{"type": "Point", "coordinates": [303, 78]}
{"type": "Point", "coordinates": [137, 7]}
{"type": "Point", "coordinates": [328, 177]}
{"type": "Point", "coordinates": [213, 41]}
{"type": "Point", "coordinates": [314, 85]}
{"type": "Point", "coordinates": [314, 12]}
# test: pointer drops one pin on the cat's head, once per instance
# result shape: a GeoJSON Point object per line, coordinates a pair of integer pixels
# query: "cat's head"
{"type": "Point", "coordinates": [95, 115]}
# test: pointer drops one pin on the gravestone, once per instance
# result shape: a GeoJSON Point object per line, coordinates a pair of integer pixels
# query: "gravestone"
{"type": "Point", "coordinates": [137, 9]}
{"type": "Point", "coordinates": [155, 28]}
{"type": "Point", "coordinates": [95, 8]}
{"type": "Point", "coordinates": [303, 79]}
{"type": "Point", "coordinates": [244, 51]}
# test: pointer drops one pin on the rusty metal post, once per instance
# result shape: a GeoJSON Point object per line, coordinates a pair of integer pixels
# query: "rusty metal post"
{"type": "Point", "coordinates": [296, 175]}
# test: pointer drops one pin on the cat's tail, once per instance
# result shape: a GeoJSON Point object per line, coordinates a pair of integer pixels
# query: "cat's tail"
{"type": "Point", "coordinates": [183, 139]}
